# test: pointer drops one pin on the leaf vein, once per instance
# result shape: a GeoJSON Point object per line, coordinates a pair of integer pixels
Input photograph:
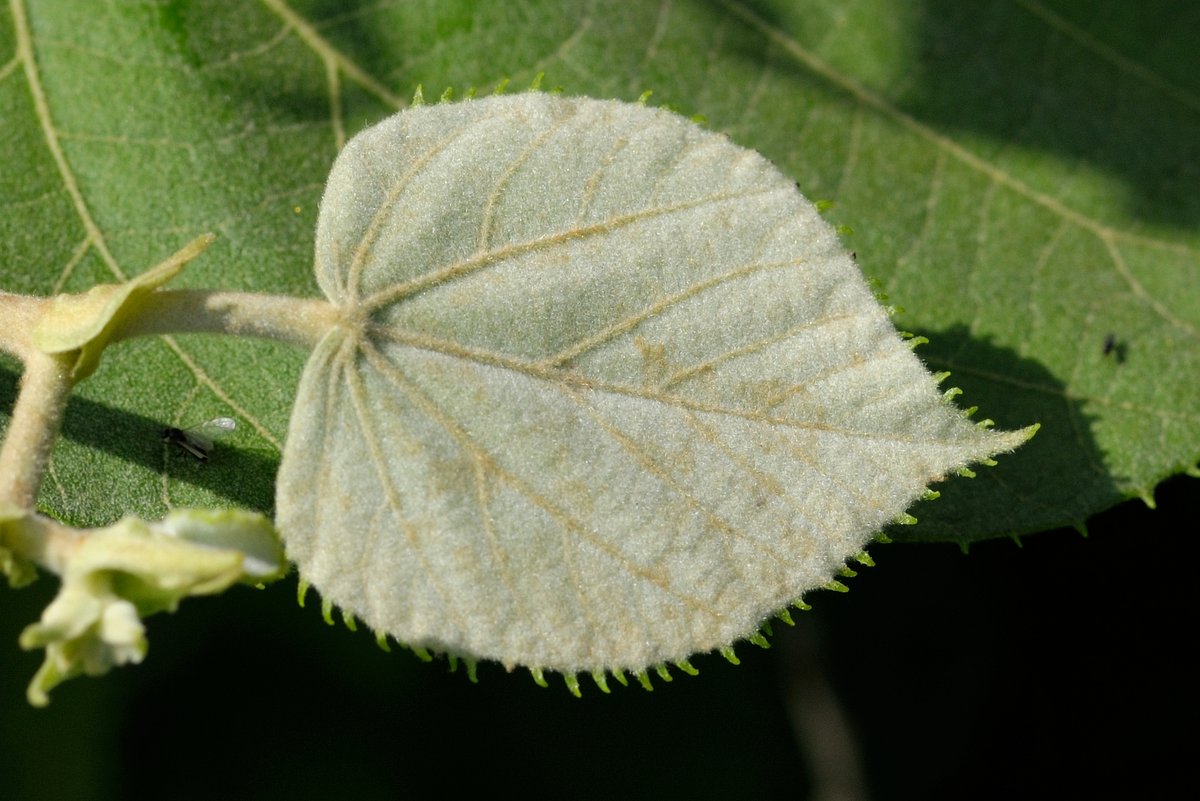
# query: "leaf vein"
{"type": "Point", "coordinates": [392, 495]}
{"type": "Point", "coordinates": [493, 199]}
{"type": "Point", "coordinates": [929, 134]}
{"type": "Point", "coordinates": [658, 307]}
{"type": "Point", "coordinates": [380, 219]}
{"type": "Point", "coordinates": [637, 452]}
{"type": "Point", "coordinates": [329, 367]}
{"type": "Point", "coordinates": [424, 342]}
{"type": "Point", "coordinates": [592, 184]}
{"type": "Point", "coordinates": [750, 348]}
{"type": "Point", "coordinates": [565, 520]}
{"type": "Point", "coordinates": [1110, 54]}
{"type": "Point", "coordinates": [484, 461]}
{"type": "Point", "coordinates": [330, 54]}
{"type": "Point", "coordinates": [484, 260]}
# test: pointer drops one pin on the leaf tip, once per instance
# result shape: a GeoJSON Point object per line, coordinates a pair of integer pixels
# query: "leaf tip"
{"type": "Point", "coordinates": [758, 639]}
{"type": "Point", "coordinates": [1147, 496]}
{"type": "Point", "coordinates": [538, 677]}
{"type": "Point", "coordinates": [913, 341]}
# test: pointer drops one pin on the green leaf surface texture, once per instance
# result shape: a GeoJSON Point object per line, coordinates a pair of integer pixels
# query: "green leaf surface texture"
{"type": "Point", "coordinates": [605, 391]}
{"type": "Point", "coordinates": [1019, 176]}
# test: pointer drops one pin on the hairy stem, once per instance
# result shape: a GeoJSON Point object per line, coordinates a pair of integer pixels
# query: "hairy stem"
{"type": "Point", "coordinates": [298, 321]}
{"type": "Point", "coordinates": [18, 315]}
{"type": "Point", "coordinates": [45, 386]}
{"type": "Point", "coordinates": [47, 380]}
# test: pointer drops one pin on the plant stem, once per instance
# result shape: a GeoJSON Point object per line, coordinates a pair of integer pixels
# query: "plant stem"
{"type": "Point", "coordinates": [47, 382]}
{"type": "Point", "coordinates": [297, 321]}
{"type": "Point", "coordinates": [18, 316]}
{"type": "Point", "coordinates": [45, 386]}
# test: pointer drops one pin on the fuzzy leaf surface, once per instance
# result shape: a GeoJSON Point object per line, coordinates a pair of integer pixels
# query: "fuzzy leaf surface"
{"type": "Point", "coordinates": [606, 391]}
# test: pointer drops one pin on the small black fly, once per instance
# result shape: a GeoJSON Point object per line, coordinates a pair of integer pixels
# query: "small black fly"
{"type": "Point", "coordinates": [198, 441]}
{"type": "Point", "coordinates": [1115, 348]}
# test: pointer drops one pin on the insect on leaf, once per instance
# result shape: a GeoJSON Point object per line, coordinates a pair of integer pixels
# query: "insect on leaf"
{"type": "Point", "coordinates": [198, 441]}
{"type": "Point", "coordinates": [605, 391]}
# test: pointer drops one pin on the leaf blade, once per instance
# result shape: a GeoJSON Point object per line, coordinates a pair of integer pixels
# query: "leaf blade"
{"type": "Point", "coordinates": [628, 427]}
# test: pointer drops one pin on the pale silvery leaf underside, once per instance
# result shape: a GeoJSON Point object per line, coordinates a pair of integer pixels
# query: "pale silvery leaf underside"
{"type": "Point", "coordinates": [606, 390]}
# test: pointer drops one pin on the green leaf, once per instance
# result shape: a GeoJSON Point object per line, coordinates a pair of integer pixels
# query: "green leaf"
{"type": "Point", "coordinates": [1020, 177]}
{"type": "Point", "coordinates": [605, 390]}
